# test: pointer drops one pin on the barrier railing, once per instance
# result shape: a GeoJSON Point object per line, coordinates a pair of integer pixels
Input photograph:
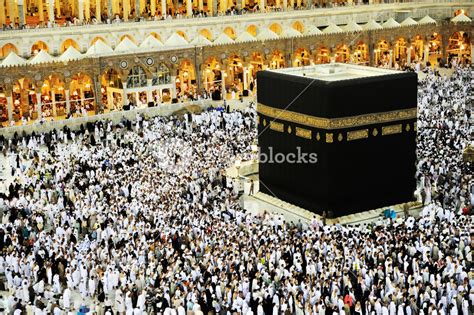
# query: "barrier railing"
{"type": "Point", "coordinates": [116, 116]}
{"type": "Point", "coordinates": [149, 21]}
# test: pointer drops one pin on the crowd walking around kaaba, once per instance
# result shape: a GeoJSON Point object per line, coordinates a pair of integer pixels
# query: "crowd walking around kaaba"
{"type": "Point", "coordinates": [138, 218]}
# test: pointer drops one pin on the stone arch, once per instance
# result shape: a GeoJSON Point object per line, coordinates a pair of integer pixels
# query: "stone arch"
{"type": "Point", "coordinates": [252, 30]}
{"type": "Point", "coordinates": [298, 26]}
{"type": "Point", "coordinates": [182, 34]}
{"type": "Point", "coordinates": [230, 32]}
{"type": "Point", "coordinates": [24, 99]}
{"type": "Point", "coordinates": [127, 36]}
{"type": "Point", "coordinates": [38, 46]}
{"type": "Point", "coordinates": [301, 57]}
{"type": "Point", "coordinates": [95, 39]}
{"type": "Point", "coordinates": [206, 33]}
{"type": "Point", "coordinates": [68, 43]}
{"type": "Point", "coordinates": [7, 48]}
{"type": "Point", "coordinates": [276, 28]}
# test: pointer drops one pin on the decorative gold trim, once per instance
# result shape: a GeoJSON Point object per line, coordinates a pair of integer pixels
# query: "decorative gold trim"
{"type": "Point", "coordinates": [414, 126]}
{"type": "Point", "coordinates": [289, 129]}
{"type": "Point", "coordinates": [340, 137]}
{"type": "Point", "coordinates": [264, 122]}
{"type": "Point", "coordinates": [258, 119]}
{"type": "Point", "coordinates": [391, 130]}
{"type": "Point", "coordinates": [276, 126]}
{"type": "Point", "coordinates": [375, 132]}
{"type": "Point", "coordinates": [303, 133]}
{"type": "Point", "coordinates": [318, 136]}
{"type": "Point", "coordinates": [336, 123]}
{"type": "Point", "coordinates": [407, 127]}
{"type": "Point", "coordinates": [329, 138]}
{"type": "Point", "coordinates": [359, 134]}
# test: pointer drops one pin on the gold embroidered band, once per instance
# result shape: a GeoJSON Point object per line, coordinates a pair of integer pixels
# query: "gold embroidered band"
{"type": "Point", "coordinates": [336, 123]}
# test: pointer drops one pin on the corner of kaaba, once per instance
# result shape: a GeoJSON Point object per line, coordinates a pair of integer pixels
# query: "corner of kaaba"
{"type": "Point", "coordinates": [359, 124]}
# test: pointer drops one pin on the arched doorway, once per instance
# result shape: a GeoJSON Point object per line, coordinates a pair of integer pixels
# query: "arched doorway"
{"type": "Point", "coordinates": [68, 43]}
{"type": "Point", "coordinates": [25, 103]}
{"type": "Point", "coordinates": [186, 80]}
{"type": "Point", "coordinates": [137, 87]}
{"type": "Point", "coordinates": [112, 90]}
{"type": "Point", "coordinates": [278, 60]}
{"type": "Point", "coordinates": [361, 54]}
{"type": "Point", "coordinates": [3, 106]}
{"type": "Point", "coordinates": [257, 63]}
{"type": "Point", "coordinates": [161, 84]}
{"type": "Point", "coordinates": [301, 58]}
{"type": "Point", "coordinates": [434, 48]}
{"type": "Point", "coordinates": [400, 51]}
{"type": "Point", "coordinates": [382, 54]}
{"type": "Point", "coordinates": [212, 75]}
{"type": "Point", "coordinates": [416, 48]}
{"type": "Point", "coordinates": [322, 55]}
{"type": "Point", "coordinates": [459, 48]}
{"type": "Point", "coordinates": [343, 54]}
{"type": "Point", "coordinates": [8, 48]}
{"type": "Point", "coordinates": [38, 46]}
{"type": "Point", "coordinates": [81, 92]}
{"type": "Point", "coordinates": [53, 97]}
{"type": "Point", "coordinates": [235, 75]}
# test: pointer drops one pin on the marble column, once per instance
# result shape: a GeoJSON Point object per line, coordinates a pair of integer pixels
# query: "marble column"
{"type": "Point", "coordinates": [153, 7]}
{"type": "Point", "coordinates": [285, 5]}
{"type": "Point", "coordinates": [10, 107]}
{"type": "Point", "coordinates": [408, 55]}
{"type": "Point", "coordinates": [426, 54]}
{"type": "Point", "coordinates": [97, 10]}
{"type": "Point", "coordinates": [278, 3]}
{"type": "Point", "coordinates": [68, 101]}
{"type": "Point", "coordinates": [472, 53]}
{"type": "Point", "coordinates": [11, 11]}
{"type": "Point", "coordinates": [38, 104]}
{"type": "Point", "coordinates": [239, 4]}
{"type": "Point", "coordinates": [298, 3]}
{"type": "Point", "coordinates": [40, 8]}
{"type": "Point", "coordinates": [58, 7]}
{"type": "Point", "coordinates": [214, 7]}
{"type": "Point", "coordinates": [109, 9]}
{"type": "Point", "coordinates": [137, 8]}
{"type": "Point", "coordinates": [87, 10]}
{"type": "Point", "coordinates": [201, 5]}
{"type": "Point", "coordinates": [53, 102]}
{"type": "Point", "coordinates": [292, 4]}
{"type": "Point", "coordinates": [390, 62]}
{"type": "Point", "coordinates": [223, 6]}
{"type": "Point", "coordinates": [2, 13]}
{"type": "Point", "coordinates": [126, 9]}
{"type": "Point", "coordinates": [51, 11]}
{"type": "Point", "coordinates": [163, 8]}
{"type": "Point", "coordinates": [81, 10]}
{"type": "Point", "coordinates": [21, 11]}
{"type": "Point", "coordinates": [125, 96]}
{"type": "Point", "coordinates": [149, 95]}
{"type": "Point", "coordinates": [246, 71]}
{"type": "Point", "coordinates": [173, 86]}
{"type": "Point", "coordinates": [189, 7]}
{"type": "Point", "coordinates": [262, 5]}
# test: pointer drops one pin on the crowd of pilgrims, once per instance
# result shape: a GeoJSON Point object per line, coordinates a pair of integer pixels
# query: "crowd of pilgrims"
{"type": "Point", "coordinates": [139, 218]}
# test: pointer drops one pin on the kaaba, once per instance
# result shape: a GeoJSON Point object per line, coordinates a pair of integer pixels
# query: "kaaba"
{"type": "Point", "coordinates": [337, 138]}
